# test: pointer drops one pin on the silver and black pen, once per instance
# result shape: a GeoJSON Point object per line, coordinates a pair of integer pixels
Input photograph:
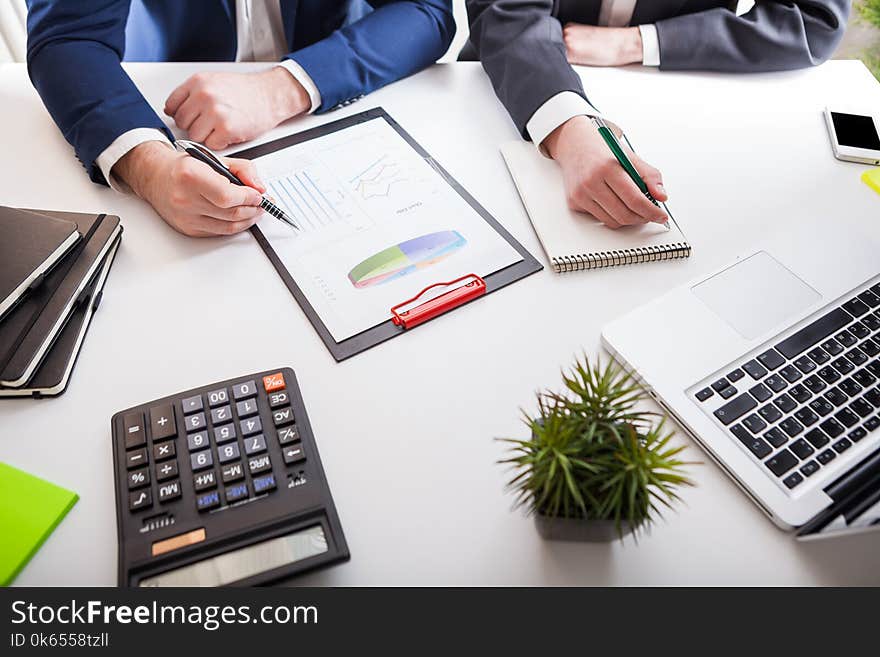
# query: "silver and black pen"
{"type": "Point", "coordinates": [206, 155]}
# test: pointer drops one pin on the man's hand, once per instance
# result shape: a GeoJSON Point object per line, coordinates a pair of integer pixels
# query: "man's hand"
{"type": "Point", "coordinates": [190, 196]}
{"type": "Point", "coordinates": [596, 183]}
{"type": "Point", "coordinates": [602, 46]}
{"type": "Point", "coordinates": [219, 109]}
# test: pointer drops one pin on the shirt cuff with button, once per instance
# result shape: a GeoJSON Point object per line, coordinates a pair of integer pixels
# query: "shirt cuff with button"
{"type": "Point", "coordinates": [650, 45]}
{"type": "Point", "coordinates": [554, 112]}
{"type": "Point", "coordinates": [299, 74]}
{"type": "Point", "coordinates": [122, 145]}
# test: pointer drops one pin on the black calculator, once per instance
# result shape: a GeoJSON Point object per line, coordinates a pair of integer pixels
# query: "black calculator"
{"type": "Point", "coordinates": [222, 485]}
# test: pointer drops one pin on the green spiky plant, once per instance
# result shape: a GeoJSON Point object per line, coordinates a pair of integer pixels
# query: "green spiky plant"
{"type": "Point", "coordinates": [593, 454]}
{"type": "Point", "coordinates": [869, 12]}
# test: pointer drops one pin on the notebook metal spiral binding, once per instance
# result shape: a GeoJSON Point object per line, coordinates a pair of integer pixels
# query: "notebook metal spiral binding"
{"type": "Point", "coordinates": [614, 258]}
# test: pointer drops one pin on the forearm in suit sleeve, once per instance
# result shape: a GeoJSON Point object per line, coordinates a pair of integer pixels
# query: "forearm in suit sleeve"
{"type": "Point", "coordinates": [520, 45]}
{"type": "Point", "coordinates": [772, 36]}
{"type": "Point", "coordinates": [398, 39]}
{"type": "Point", "coordinates": [73, 57]}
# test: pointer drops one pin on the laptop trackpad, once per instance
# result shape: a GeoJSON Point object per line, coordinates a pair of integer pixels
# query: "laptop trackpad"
{"type": "Point", "coordinates": [756, 295]}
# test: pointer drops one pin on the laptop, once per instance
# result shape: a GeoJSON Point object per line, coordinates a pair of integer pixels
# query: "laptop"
{"type": "Point", "coordinates": [772, 364]}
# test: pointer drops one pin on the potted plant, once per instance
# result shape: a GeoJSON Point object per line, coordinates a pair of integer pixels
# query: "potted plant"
{"type": "Point", "coordinates": [596, 467]}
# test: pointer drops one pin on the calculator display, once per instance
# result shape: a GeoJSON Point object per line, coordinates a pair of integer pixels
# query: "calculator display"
{"type": "Point", "coordinates": [245, 562]}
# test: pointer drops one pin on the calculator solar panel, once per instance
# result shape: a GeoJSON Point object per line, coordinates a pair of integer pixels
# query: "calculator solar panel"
{"type": "Point", "coordinates": [222, 485]}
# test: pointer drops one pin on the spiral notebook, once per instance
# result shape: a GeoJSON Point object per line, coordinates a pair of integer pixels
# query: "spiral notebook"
{"type": "Point", "coordinates": [574, 241]}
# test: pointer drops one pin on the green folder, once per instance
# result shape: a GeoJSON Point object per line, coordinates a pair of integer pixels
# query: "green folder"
{"type": "Point", "coordinates": [30, 509]}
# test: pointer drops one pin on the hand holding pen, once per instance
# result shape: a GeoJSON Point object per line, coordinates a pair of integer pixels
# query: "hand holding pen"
{"type": "Point", "coordinates": [621, 156]}
{"type": "Point", "coordinates": [207, 156]}
{"type": "Point", "coordinates": [595, 180]}
{"type": "Point", "coordinates": [189, 195]}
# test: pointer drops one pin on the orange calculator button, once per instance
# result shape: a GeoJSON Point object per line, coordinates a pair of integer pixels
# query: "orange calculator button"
{"type": "Point", "coordinates": [274, 382]}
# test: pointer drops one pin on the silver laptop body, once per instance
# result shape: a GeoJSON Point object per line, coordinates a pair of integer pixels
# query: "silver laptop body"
{"type": "Point", "coordinates": [746, 359]}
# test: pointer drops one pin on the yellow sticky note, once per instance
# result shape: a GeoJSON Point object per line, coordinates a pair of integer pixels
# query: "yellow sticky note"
{"type": "Point", "coordinates": [871, 178]}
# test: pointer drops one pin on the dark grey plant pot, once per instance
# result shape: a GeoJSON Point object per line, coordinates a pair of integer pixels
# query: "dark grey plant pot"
{"type": "Point", "coordinates": [579, 529]}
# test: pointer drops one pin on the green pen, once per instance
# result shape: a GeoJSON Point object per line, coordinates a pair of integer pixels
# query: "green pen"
{"type": "Point", "coordinates": [611, 139]}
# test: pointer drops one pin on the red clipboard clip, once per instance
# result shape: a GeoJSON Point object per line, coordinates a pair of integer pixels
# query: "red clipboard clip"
{"type": "Point", "coordinates": [473, 288]}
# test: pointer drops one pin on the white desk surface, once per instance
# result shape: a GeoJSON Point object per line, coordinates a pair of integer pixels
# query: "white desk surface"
{"type": "Point", "coordinates": [406, 429]}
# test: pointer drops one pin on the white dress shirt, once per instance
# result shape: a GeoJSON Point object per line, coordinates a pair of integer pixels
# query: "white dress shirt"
{"type": "Point", "coordinates": [260, 38]}
{"type": "Point", "coordinates": [567, 104]}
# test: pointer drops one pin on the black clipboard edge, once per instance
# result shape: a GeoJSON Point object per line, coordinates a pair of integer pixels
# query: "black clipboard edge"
{"type": "Point", "coordinates": [386, 330]}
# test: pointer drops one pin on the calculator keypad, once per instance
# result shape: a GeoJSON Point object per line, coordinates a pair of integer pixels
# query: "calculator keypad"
{"type": "Point", "coordinates": [140, 499]}
{"type": "Point", "coordinates": [246, 408]}
{"type": "Point", "coordinates": [255, 445]}
{"type": "Point", "coordinates": [227, 453]}
{"type": "Point", "coordinates": [162, 423]}
{"type": "Point", "coordinates": [169, 492]}
{"type": "Point", "coordinates": [224, 433]}
{"type": "Point", "coordinates": [135, 458]}
{"type": "Point", "coordinates": [221, 415]}
{"type": "Point", "coordinates": [221, 465]}
{"type": "Point", "coordinates": [259, 464]}
{"type": "Point", "coordinates": [232, 472]}
{"type": "Point", "coordinates": [244, 390]}
{"type": "Point", "coordinates": [274, 382]}
{"type": "Point", "coordinates": [208, 501]}
{"type": "Point", "coordinates": [251, 426]}
{"type": "Point", "coordinates": [164, 451]}
{"type": "Point", "coordinates": [204, 480]}
{"type": "Point", "coordinates": [166, 471]}
{"type": "Point", "coordinates": [287, 435]}
{"type": "Point", "coordinates": [282, 416]}
{"type": "Point", "coordinates": [278, 399]}
{"type": "Point", "coordinates": [218, 397]}
{"type": "Point", "coordinates": [192, 404]}
{"type": "Point", "coordinates": [294, 454]}
{"type": "Point", "coordinates": [139, 478]}
{"type": "Point", "coordinates": [133, 428]}
{"type": "Point", "coordinates": [195, 422]}
{"type": "Point", "coordinates": [201, 460]}
{"type": "Point", "coordinates": [198, 440]}
{"type": "Point", "coordinates": [236, 492]}
{"type": "Point", "coordinates": [264, 484]}
{"type": "Point", "coordinates": [226, 446]}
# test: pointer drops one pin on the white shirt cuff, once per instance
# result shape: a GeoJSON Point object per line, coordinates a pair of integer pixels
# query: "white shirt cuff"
{"type": "Point", "coordinates": [120, 146]}
{"type": "Point", "coordinates": [299, 74]}
{"type": "Point", "coordinates": [554, 112]}
{"type": "Point", "coordinates": [650, 45]}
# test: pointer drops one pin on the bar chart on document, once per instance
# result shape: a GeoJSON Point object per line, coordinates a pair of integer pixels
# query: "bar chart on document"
{"type": "Point", "coordinates": [377, 221]}
{"type": "Point", "coordinates": [314, 199]}
{"type": "Point", "coordinates": [337, 188]}
{"type": "Point", "coordinates": [310, 201]}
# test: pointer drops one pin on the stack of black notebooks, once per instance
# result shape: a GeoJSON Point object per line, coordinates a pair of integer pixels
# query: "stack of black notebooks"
{"type": "Point", "coordinates": [53, 266]}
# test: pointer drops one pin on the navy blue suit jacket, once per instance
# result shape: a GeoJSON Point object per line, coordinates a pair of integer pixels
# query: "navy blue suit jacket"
{"type": "Point", "coordinates": [348, 47]}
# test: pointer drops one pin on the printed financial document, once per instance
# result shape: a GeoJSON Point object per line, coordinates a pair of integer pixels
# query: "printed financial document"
{"type": "Point", "coordinates": [379, 224]}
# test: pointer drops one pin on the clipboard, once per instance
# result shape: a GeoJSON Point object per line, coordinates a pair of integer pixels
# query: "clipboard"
{"type": "Point", "coordinates": [409, 313]}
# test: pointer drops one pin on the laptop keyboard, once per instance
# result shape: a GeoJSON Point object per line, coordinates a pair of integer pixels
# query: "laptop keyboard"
{"type": "Point", "coordinates": [808, 399]}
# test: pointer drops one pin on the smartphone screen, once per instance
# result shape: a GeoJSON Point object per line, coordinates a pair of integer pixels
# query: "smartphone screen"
{"type": "Point", "coordinates": [855, 131]}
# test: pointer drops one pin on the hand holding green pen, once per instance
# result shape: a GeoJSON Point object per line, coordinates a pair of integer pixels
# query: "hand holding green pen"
{"type": "Point", "coordinates": [594, 181]}
{"type": "Point", "coordinates": [611, 139]}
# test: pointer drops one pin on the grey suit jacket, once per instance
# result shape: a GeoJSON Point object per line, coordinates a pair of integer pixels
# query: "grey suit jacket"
{"type": "Point", "coordinates": [521, 47]}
